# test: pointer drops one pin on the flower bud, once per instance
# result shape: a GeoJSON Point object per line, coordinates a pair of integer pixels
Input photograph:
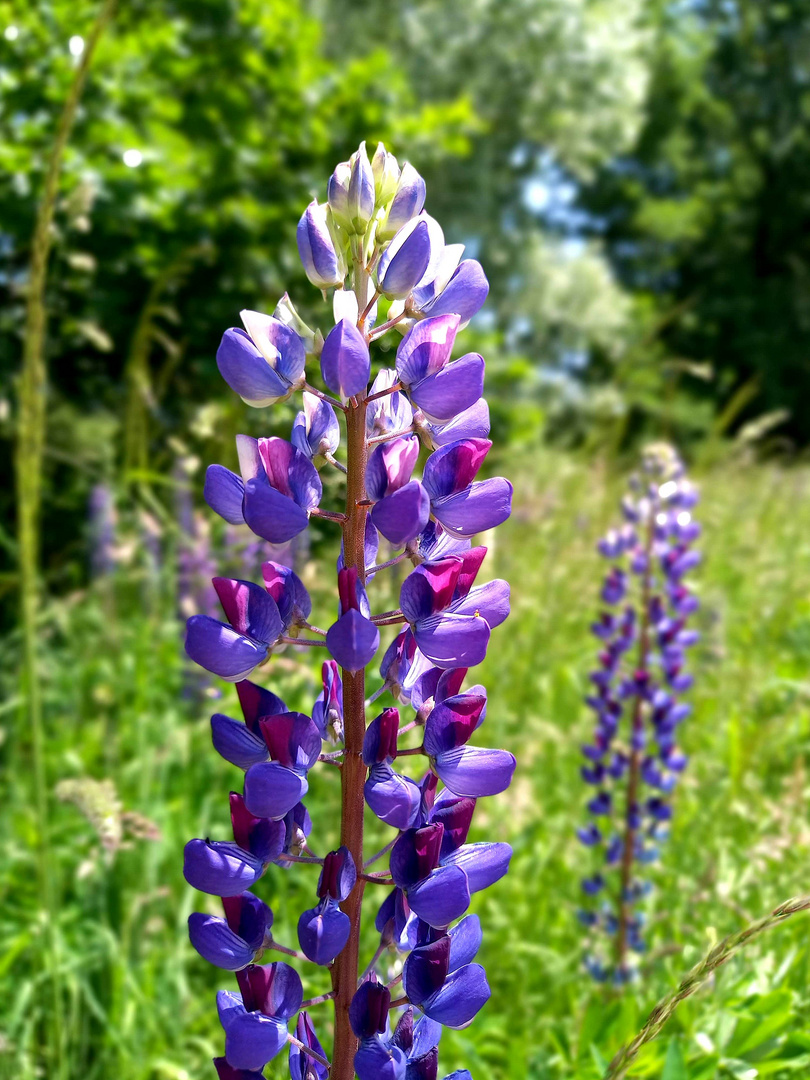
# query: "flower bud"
{"type": "Point", "coordinates": [406, 204]}
{"type": "Point", "coordinates": [385, 168]}
{"type": "Point", "coordinates": [404, 261]}
{"type": "Point", "coordinates": [351, 192]}
{"type": "Point", "coordinates": [323, 261]}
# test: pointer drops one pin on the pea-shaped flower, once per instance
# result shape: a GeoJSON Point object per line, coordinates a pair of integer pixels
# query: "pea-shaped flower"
{"type": "Point", "coordinates": [393, 798]}
{"type": "Point", "coordinates": [225, 868]}
{"type": "Point", "coordinates": [345, 360]}
{"type": "Point", "coordinates": [463, 505]}
{"type": "Point", "coordinates": [242, 743]}
{"type": "Point", "coordinates": [233, 649]}
{"type": "Point", "coordinates": [407, 203]}
{"type": "Point", "coordinates": [353, 639]}
{"type": "Point", "coordinates": [324, 930]}
{"type": "Point", "coordinates": [466, 770]}
{"type": "Point", "coordinates": [437, 894]}
{"type": "Point", "coordinates": [439, 388]}
{"type": "Point", "coordinates": [321, 256]}
{"type": "Point", "coordinates": [404, 262]}
{"type": "Point", "coordinates": [256, 1019]}
{"type": "Point", "coordinates": [315, 430]}
{"type": "Point", "coordinates": [451, 998]}
{"type": "Point", "coordinates": [376, 1058]}
{"type": "Point", "coordinates": [327, 712]}
{"type": "Point", "coordinates": [232, 942]}
{"type": "Point", "coordinates": [272, 788]}
{"type": "Point", "coordinates": [264, 363]}
{"type": "Point", "coordinates": [401, 505]}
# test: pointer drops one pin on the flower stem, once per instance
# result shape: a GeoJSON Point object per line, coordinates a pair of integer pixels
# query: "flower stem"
{"type": "Point", "coordinates": [384, 393]}
{"type": "Point", "coordinates": [389, 436]}
{"type": "Point", "coordinates": [353, 773]}
{"type": "Point", "coordinates": [325, 397]}
{"type": "Point", "coordinates": [287, 952]}
{"type": "Point", "coordinates": [696, 978]}
{"type": "Point", "coordinates": [317, 1000]}
{"type": "Point", "coordinates": [308, 1050]}
{"type": "Point", "coordinates": [391, 562]}
{"type": "Point", "coordinates": [379, 855]}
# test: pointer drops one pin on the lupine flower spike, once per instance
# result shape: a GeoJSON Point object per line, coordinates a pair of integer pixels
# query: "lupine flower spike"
{"type": "Point", "coordinates": [373, 243]}
{"type": "Point", "coordinates": [634, 761]}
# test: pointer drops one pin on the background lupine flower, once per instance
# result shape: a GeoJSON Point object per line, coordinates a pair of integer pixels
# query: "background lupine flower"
{"type": "Point", "coordinates": [374, 220]}
{"type": "Point", "coordinates": [634, 760]}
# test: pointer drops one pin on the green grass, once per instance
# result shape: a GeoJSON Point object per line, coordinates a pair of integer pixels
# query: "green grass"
{"type": "Point", "coordinates": [138, 1002]}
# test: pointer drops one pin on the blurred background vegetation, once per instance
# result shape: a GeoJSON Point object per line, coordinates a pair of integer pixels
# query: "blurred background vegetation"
{"type": "Point", "coordinates": [634, 176]}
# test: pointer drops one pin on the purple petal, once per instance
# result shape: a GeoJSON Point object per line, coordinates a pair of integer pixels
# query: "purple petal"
{"type": "Point", "coordinates": [464, 294]}
{"type": "Point", "coordinates": [426, 1032]}
{"type": "Point", "coordinates": [479, 507]}
{"type": "Point", "coordinates": [338, 875]}
{"type": "Point", "coordinates": [429, 589]}
{"type": "Point", "coordinates": [475, 771]}
{"type": "Point", "coordinates": [271, 790]}
{"type": "Point", "coordinates": [484, 864]}
{"type": "Point", "coordinates": [451, 641]}
{"type": "Point", "coordinates": [408, 201]}
{"type": "Point", "coordinates": [251, 1040]}
{"type": "Point", "coordinates": [272, 516]}
{"type": "Point", "coordinates": [217, 943]}
{"type": "Point", "coordinates": [345, 360]}
{"type": "Point", "coordinates": [316, 430]}
{"type": "Point", "coordinates": [490, 601]}
{"type": "Point", "coordinates": [323, 932]}
{"type": "Point", "coordinates": [257, 702]}
{"type": "Point", "coordinates": [302, 1066]}
{"type": "Point", "coordinates": [290, 472]}
{"type": "Point", "coordinates": [404, 261]}
{"type": "Point", "coordinates": [452, 468]}
{"type": "Point", "coordinates": [281, 347]}
{"type": "Point", "coordinates": [249, 917]}
{"type": "Point", "coordinates": [452, 390]}
{"type": "Point", "coordinates": [247, 372]}
{"type": "Point", "coordinates": [249, 609]}
{"type": "Point", "coordinates": [402, 516]}
{"type": "Point", "coordinates": [377, 1061]}
{"type": "Point", "coordinates": [393, 798]}
{"type": "Point", "coordinates": [463, 994]}
{"type": "Point", "coordinates": [442, 897]}
{"type": "Point", "coordinates": [321, 262]}
{"type": "Point", "coordinates": [293, 740]}
{"type": "Point", "coordinates": [473, 423]}
{"type": "Point", "coordinates": [236, 743]}
{"type": "Point", "coordinates": [220, 649]}
{"type": "Point", "coordinates": [353, 640]}
{"type": "Point", "coordinates": [220, 868]}
{"type": "Point", "coordinates": [224, 492]}
{"type": "Point", "coordinates": [227, 1072]}
{"type": "Point", "coordinates": [390, 466]}
{"type": "Point", "coordinates": [452, 722]}
{"type": "Point", "coordinates": [465, 941]}
{"type": "Point", "coordinates": [426, 349]}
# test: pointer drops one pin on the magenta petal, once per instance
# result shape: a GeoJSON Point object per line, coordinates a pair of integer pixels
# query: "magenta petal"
{"type": "Point", "coordinates": [402, 516]}
{"type": "Point", "coordinates": [475, 771]}
{"type": "Point", "coordinates": [249, 609]}
{"type": "Point", "coordinates": [353, 640]}
{"type": "Point", "coordinates": [235, 742]}
{"type": "Point", "coordinates": [451, 641]}
{"type": "Point", "coordinates": [463, 994]}
{"type": "Point", "coordinates": [426, 969]}
{"type": "Point", "coordinates": [220, 868]}
{"type": "Point", "coordinates": [452, 722]}
{"type": "Point", "coordinates": [323, 932]}
{"type": "Point", "coordinates": [272, 516]}
{"type": "Point", "coordinates": [345, 360]}
{"type": "Point", "coordinates": [224, 492]}
{"type": "Point", "coordinates": [271, 790]}
{"type": "Point", "coordinates": [452, 390]}
{"type": "Point", "coordinates": [247, 372]}
{"type": "Point", "coordinates": [442, 897]}
{"type": "Point", "coordinates": [217, 943]}
{"type": "Point", "coordinates": [452, 468]}
{"type": "Point", "coordinates": [479, 507]}
{"type": "Point", "coordinates": [220, 649]}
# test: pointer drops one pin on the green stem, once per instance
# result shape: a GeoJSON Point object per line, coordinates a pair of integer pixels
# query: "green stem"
{"type": "Point", "coordinates": [28, 470]}
{"type": "Point", "coordinates": [696, 978]}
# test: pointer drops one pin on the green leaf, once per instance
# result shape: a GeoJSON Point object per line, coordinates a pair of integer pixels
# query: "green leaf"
{"type": "Point", "coordinates": [674, 1064]}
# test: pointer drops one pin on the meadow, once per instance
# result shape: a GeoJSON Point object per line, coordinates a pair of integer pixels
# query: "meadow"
{"type": "Point", "coordinates": [95, 964]}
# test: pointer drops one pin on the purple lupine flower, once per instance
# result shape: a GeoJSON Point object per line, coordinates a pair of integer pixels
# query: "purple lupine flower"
{"type": "Point", "coordinates": [639, 676]}
{"type": "Point", "coordinates": [353, 639]}
{"type": "Point", "coordinates": [278, 489]}
{"type": "Point", "coordinates": [232, 942]}
{"type": "Point", "coordinates": [316, 431]}
{"type": "Point", "coordinates": [302, 1065]}
{"type": "Point", "coordinates": [321, 257]}
{"type": "Point", "coordinates": [327, 712]}
{"type": "Point", "coordinates": [345, 360]}
{"type": "Point", "coordinates": [255, 1020]}
{"type": "Point", "coordinates": [395, 799]}
{"type": "Point", "coordinates": [401, 505]}
{"type": "Point", "coordinates": [429, 402]}
{"type": "Point", "coordinates": [324, 930]}
{"type": "Point", "coordinates": [264, 363]}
